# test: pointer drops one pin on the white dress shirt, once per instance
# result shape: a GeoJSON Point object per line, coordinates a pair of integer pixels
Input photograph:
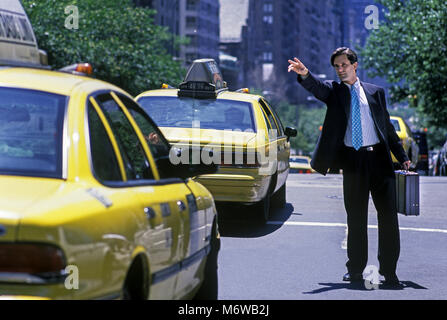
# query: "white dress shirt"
{"type": "Point", "coordinates": [369, 133]}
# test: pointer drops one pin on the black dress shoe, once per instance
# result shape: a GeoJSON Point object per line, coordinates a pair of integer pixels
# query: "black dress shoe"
{"type": "Point", "coordinates": [392, 281]}
{"type": "Point", "coordinates": [353, 277]}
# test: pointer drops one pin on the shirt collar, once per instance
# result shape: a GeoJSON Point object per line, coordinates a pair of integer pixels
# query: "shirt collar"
{"type": "Point", "coordinates": [356, 84]}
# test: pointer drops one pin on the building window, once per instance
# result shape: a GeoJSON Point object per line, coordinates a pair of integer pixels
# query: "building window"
{"type": "Point", "coordinates": [268, 7]}
{"type": "Point", "coordinates": [191, 22]}
{"type": "Point", "coordinates": [267, 56]}
{"type": "Point", "coordinates": [268, 19]}
{"type": "Point", "coordinates": [192, 40]}
{"type": "Point", "coordinates": [191, 5]}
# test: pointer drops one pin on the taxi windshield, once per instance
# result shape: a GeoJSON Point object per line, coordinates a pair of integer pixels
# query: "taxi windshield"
{"type": "Point", "coordinates": [31, 125]}
{"type": "Point", "coordinates": [217, 114]}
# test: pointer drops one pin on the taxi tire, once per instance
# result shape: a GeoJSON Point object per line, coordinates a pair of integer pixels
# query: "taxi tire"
{"type": "Point", "coordinates": [136, 285]}
{"type": "Point", "coordinates": [279, 198]}
{"type": "Point", "coordinates": [262, 208]}
{"type": "Point", "coordinates": [210, 285]}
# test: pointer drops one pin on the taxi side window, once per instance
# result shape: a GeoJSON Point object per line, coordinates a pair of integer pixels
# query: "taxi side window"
{"type": "Point", "coordinates": [105, 165]}
{"type": "Point", "coordinates": [158, 145]}
{"type": "Point", "coordinates": [278, 121]}
{"type": "Point", "coordinates": [269, 127]}
{"type": "Point", "coordinates": [136, 164]}
{"type": "Point", "coordinates": [270, 117]}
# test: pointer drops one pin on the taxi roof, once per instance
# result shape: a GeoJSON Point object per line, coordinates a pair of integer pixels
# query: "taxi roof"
{"type": "Point", "coordinates": [45, 80]}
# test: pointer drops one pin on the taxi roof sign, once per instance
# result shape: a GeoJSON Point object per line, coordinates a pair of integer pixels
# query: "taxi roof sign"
{"type": "Point", "coordinates": [203, 80]}
{"type": "Point", "coordinates": [18, 45]}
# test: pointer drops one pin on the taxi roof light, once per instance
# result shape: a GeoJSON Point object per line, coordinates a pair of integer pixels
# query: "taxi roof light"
{"type": "Point", "coordinates": [79, 69]}
{"type": "Point", "coordinates": [203, 80]}
{"type": "Point", "coordinates": [243, 90]}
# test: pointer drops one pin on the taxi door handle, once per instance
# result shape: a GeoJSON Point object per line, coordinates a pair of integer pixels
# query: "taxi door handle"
{"type": "Point", "coordinates": [149, 212]}
{"type": "Point", "coordinates": [181, 205]}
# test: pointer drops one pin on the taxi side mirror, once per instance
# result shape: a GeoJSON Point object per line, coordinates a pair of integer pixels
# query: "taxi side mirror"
{"type": "Point", "coordinates": [290, 132]}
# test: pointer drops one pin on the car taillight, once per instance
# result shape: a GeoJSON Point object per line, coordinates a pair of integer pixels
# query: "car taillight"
{"type": "Point", "coordinates": [42, 260]}
{"type": "Point", "coordinates": [308, 171]}
{"type": "Point", "coordinates": [243, 159]}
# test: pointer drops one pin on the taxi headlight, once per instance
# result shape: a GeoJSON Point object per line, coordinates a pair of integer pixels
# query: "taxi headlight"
{"type": "Point", "coordinates": [24, 262]}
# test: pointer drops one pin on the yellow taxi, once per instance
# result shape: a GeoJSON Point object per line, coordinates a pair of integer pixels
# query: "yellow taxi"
{"type": "Point", "coordinates": [90, 205]}
{"type": "Point", "coordinates": [408, 141]}
{"type": "Point", "coordinates": [300, 164]}
{"type": "Point", "coordinates": [239, 131]}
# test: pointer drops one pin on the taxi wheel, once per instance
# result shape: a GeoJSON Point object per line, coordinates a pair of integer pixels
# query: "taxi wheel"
{"type": "Point", "coordinates": [279, 198]}
{"type": "Point", "coordinates": [209, 288]}
{"type": "Point", "coordinates": [262, 209]}
{"type": "Point", "coordinates": [136, 285]}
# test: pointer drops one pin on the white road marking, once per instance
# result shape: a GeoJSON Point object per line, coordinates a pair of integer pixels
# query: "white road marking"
{"type": "Point", "coordinates": [334, 224]}
{"type": "Point", "coordinates": [313, 185]}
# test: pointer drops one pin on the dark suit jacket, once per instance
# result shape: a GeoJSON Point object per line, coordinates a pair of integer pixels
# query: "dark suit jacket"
{"type": "Point", "coordinates": [329, 150]}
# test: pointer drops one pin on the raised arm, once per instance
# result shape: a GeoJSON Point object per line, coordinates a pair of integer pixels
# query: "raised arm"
{"type": "Point", "coordinates": [321, 90]}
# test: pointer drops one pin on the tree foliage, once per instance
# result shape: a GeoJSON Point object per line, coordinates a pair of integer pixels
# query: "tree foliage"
{"type": "Point", "coordinates": [120, 40]}
{"type": "Point", "coordinates": [306, 120]}
{"type": "Point", "coordinates": [410, 50]}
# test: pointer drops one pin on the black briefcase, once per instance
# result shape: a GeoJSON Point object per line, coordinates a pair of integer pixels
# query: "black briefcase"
{"type": "Point", "coordinates": [407, 192]}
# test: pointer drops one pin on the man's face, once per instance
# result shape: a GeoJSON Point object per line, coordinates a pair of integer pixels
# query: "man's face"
{"type": "Point", "coordinates": [345, 70]}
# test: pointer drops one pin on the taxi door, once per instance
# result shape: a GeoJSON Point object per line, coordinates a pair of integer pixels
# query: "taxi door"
{"type": "Point", "coordinates": [191, 222]}
{"type": "Point", "coordinates": [282, 145]}
{"type": "Point", "coordinates": [160, 200]}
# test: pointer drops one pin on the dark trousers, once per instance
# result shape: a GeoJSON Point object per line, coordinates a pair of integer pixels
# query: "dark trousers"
{"type": "Point", "coordinates": [364, 172]}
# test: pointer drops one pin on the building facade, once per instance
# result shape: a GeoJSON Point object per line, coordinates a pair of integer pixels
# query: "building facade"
{"type": "Point", "coordinates": [282, 29]}
{"type": "Point", "coordinates": [195, 20]}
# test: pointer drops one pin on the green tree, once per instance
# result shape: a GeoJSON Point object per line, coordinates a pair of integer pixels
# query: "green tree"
{"type": "Point", "coordinates": [306, 120]}
{"type": "Point", "coordinates": [410, 49]}
{"type": "Point", "coordinates": [118, 39]}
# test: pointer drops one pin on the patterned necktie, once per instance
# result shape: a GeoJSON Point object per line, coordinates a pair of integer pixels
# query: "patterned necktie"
{"type": "Point", "coordinates": [357, 140]}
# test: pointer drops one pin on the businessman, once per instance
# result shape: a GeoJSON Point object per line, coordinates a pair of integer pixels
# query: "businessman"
{"type": "Point", "coordinates": [357, 136]}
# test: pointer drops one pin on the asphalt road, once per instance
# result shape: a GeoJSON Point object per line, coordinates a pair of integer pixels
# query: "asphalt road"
{"type": "Point", "coordinates": [301, 253]}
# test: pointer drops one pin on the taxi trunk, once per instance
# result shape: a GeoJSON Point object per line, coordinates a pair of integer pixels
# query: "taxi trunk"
{"type": "Point", "coordinates": [241, 157]}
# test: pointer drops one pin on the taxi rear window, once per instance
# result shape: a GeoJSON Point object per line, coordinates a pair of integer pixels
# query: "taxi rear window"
{"type": "Point", "coordinates": [217, 114]}
{"type": "Point", "coordinates": [298, 160]}
{"type": "Point", "coordinates": [31, 125]}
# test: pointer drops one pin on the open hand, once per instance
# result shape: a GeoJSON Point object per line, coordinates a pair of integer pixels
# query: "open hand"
{"type": "Point", "coordinates": [297, 66]}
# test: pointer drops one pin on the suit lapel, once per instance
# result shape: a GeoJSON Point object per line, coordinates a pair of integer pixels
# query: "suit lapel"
{"type": "Point", "coordinates": [371, 101]}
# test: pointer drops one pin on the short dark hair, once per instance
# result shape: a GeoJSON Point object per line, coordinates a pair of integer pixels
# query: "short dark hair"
{"type": "Point", "coordinates": [352, 56]}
